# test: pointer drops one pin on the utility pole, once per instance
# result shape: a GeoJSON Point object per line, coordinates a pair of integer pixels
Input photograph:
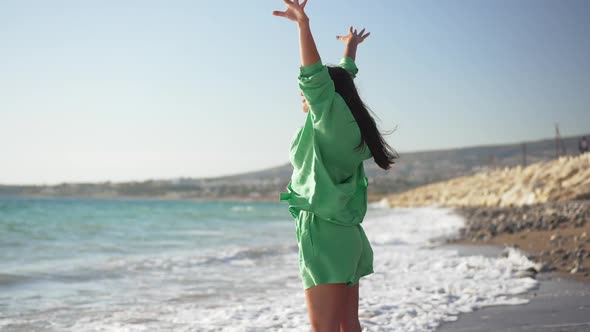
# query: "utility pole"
{"type": "Point", "coordinates": [558, 142]}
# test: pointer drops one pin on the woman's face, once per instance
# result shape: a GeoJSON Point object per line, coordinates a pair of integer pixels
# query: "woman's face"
{"type": "Point", "coordinates": [304, 104]}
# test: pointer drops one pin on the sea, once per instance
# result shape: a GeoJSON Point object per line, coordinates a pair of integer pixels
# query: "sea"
{"type": "Point", "coordinates": [71, 264]}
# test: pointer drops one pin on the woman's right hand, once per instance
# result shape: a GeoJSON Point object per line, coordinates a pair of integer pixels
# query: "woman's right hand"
{"type": "Point", "coordinates": [295, 11]}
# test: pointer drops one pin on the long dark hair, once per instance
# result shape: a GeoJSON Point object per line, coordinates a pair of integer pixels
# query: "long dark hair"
{"type": "Point", "coordinates": [383, 154]}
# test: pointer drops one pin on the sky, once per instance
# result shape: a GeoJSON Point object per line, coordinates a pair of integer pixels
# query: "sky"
{"type": "Point", "coordinates": [94, 91]}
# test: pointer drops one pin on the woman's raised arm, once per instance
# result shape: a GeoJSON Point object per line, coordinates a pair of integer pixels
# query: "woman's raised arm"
{"type": "Point", "coordinates": [307, 48]}
{"type": "Point", "coordinates": [352, 40]}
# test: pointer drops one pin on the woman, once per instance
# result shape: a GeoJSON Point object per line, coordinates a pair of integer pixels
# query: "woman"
{"type": "Point", "coordinates": [327, 194]}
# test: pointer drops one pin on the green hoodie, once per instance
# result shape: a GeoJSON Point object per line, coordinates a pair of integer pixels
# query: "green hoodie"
{"type": "Point", "coordinates": [328, 174]}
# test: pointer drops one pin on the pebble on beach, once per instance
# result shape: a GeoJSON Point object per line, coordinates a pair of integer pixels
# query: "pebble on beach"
{"type": "Point", "coordinates": [554, 234]}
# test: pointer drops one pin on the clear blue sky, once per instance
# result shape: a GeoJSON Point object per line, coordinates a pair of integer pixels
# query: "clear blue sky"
{"type": "Point", "coordinates": [133, 90]}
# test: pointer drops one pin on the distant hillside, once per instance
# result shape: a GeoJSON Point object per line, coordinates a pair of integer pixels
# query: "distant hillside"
{"type": "Point", "coordinates": [417, 168]}
{"type": "Point", "coordinates": [413, 169]}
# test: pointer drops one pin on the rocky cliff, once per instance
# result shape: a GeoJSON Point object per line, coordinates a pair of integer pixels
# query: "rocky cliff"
{"type": "Point", "coordinates": [562, 179]}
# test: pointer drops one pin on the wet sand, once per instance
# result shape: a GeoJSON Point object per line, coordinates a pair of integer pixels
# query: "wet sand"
{"type": "Point", "coordinates": [558, 304]}
{"type": "Point", "coordinates": [555, 234]}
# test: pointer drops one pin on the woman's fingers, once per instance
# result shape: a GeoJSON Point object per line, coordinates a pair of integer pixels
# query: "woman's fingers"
{"type": "Point", "coordinates": [353, 33]}
{"type": "Point", "coordinates": [365, 36]}
{"type": "Point", "coordinates": [295, 10]}
{"type": "Point", "coordinates": [301, 4]}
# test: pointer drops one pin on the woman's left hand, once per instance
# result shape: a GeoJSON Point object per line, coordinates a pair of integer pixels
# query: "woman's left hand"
{"type": "Point", "coordinates": [354, 37]}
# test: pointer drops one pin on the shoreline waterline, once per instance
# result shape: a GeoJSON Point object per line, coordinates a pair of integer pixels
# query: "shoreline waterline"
{"type": "Point", "coordinates": [160, 266]}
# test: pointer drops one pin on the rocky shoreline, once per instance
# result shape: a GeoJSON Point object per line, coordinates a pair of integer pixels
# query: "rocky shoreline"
{"type": "Point", "coordinates": [556, 235]}
{"type": "Point", "coordinates": [564, 179]}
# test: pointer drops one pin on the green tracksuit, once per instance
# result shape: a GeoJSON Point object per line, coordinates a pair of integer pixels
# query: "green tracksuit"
{"type": "Point", "coordinates": [327, 194]}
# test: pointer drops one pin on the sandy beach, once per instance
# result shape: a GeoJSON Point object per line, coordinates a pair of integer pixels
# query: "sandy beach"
{"type": "Point", "coordinates": [557, 241]}
{"type": "Point", "coordinates": [558, 304]}
{"type": "Point", "coordinates": [542, 210]}
{"type": "Point", "coordinates": [555, 235]}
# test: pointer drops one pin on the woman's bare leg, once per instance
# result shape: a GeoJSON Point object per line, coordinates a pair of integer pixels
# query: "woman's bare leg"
{"type": "Point", "coordinates": [326, 305]}
{"type": "Point", "coordinates": [350, 319]}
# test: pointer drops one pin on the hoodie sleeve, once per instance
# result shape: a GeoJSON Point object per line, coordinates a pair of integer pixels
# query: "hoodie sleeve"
{"type": "Point", "coordinates": [317, 88]}
{"type": "Point", "coordinates": [350, 66]}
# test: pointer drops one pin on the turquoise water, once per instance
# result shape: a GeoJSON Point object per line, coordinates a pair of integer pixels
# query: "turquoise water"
{"type": "Point", "coordinates": [80, 252]}
{"type": "Point", "coordinates": [59, 231]}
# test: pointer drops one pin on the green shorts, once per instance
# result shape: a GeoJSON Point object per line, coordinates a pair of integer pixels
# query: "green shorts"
{"type": "Point", "coordinates": [331, 253]}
